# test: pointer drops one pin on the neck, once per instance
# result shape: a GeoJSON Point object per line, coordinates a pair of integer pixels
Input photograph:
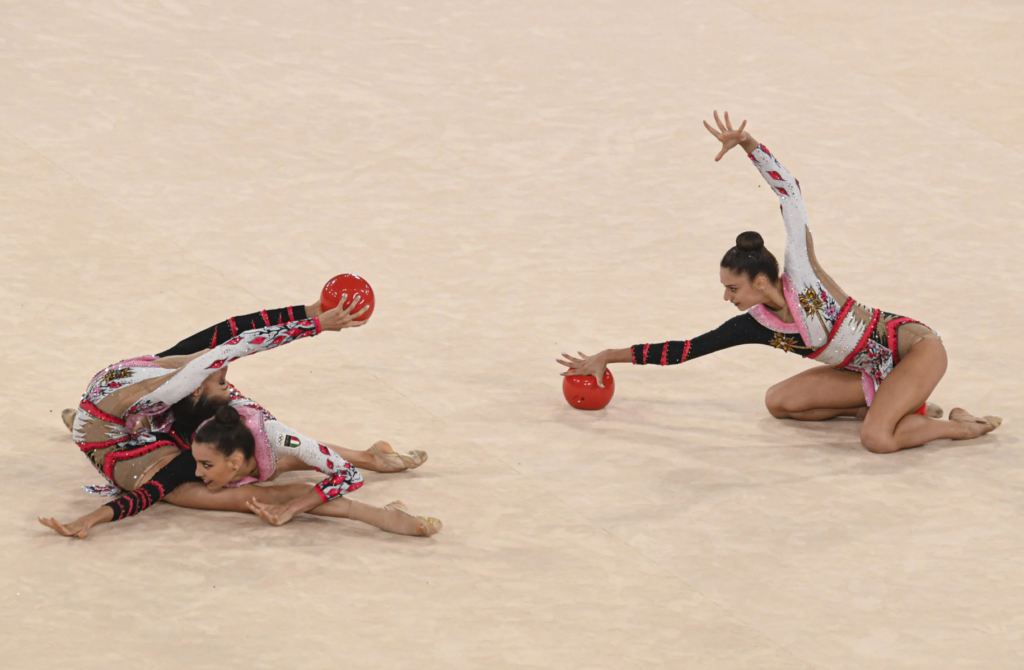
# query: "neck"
{"type": "Point", "coordinates": [774, 299]}
{"type": "Point", "coordinates": [251, 468]}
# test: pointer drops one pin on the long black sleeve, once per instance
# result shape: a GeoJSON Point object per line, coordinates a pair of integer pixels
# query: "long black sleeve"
{"type": "Point", "coordinates": [180, 470]}
{"type": "Point", "coordinates": [743, 329]}
{"type": "Point", "coordinates": [225, 330]}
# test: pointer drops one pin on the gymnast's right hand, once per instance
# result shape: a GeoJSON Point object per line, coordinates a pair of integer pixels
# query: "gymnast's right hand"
{"type": "Point", "coordinates": [585, 365]}
{"type": "Point", "coordinates": [338, 318]}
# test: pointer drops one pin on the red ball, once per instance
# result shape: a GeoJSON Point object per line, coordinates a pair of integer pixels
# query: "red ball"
{"type": "Point", "coordinates": [582, 392]}
{"type": "Point", "coordinates": [351, 285]}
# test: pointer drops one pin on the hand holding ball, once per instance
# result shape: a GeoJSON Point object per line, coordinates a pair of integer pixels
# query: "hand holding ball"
{"type": "Point", "coordinates": [350, 285]}
{"type": "Point", "coordinates": [582, 391]}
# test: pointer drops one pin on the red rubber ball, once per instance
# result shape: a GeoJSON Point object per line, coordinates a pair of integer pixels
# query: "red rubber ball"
{"type": "Point", "coordinates": [582, 392]}
{"type": "Point", "coordinates": [350, 285]}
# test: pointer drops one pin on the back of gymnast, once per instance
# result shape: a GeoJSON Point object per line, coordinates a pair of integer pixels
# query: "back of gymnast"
{"type": "Point", "coordinates": [881, 367]}
{"type": "Point", "coordinates": [138, 418]}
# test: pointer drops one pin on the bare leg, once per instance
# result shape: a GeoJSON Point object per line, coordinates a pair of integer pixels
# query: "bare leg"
{"type": "Point", "coordinates": [381, 457]}
{"type": "Point", "coordinates": [393, 517]}
{"type": "Point", "coordinates": [890, 425]}
{"type": "Point", "coordinates": [818, 394]}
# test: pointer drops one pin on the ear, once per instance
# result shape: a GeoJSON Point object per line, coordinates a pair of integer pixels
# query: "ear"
{"type": "Point", "coordinates": [198, 392]}
{"type": "Point", "coordinates": [761, 282]}
{"type": "Point", "coordinates": [235, 460]}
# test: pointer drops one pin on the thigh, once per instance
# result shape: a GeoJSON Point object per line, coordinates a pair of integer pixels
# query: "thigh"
{"type": "Point", "coordinates": [908, 386]}
{"type": "Point", "coordinates": [818, 388]}
{"type": "Point", "coordinates": [195, 495]}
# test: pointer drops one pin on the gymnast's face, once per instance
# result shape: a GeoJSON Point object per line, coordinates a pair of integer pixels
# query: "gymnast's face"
{"type": "Point", "coordinates": [213, 467]}
{"type": "Point", "coordinates": [740, 291]}
{"type": "Point", "coordinates": [215, 388]}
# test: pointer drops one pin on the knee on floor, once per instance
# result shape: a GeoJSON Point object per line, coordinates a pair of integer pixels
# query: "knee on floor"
{"type": "Point", "coordinates": [774, 400]}
{"type": "Point", "coordinates": [878, 443]}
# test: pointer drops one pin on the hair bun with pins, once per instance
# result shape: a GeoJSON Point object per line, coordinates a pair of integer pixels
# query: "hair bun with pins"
{"type": "Point", "coordinates": [227, 415]}
{"type": "Point", "coordinates": [749, 241]}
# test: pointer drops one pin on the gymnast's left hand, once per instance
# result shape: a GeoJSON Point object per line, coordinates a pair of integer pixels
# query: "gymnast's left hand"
{"type": "Point", "coordinates": [275, 515]}
{"type": "Point", "coordinates": [77, 528]}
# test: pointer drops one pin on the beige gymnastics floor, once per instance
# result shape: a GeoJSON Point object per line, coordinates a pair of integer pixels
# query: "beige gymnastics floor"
{"type": "Point", "coordinates": [516, 179]}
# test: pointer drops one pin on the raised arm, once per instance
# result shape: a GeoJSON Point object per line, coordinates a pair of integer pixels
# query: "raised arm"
{"type": "Point", "coordinates": [784, 184]}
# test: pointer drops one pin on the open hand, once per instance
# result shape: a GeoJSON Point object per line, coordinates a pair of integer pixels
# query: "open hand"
{"type": "Point", "coordinates": [77, 528]}
{"type": "Point", "coordinates": [725, 134]}
{"type": "Point", "coordinates": [339, 317]}
{"type": "Point", "coordinates": [585, 365]}
{"type": "Point", "coordinates": [275, 515]}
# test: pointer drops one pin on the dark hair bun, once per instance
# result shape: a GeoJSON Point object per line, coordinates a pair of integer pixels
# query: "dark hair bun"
{"type": "Point", "coordinates": [749, 241]}
{"type": "Point", "coordinates": [228, 416]}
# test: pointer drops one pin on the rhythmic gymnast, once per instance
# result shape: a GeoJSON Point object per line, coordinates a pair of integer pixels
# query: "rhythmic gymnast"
{"type": "Point", "coordinates": [137, 418]}
{"type": "Point", "coordinates": [882, 367]}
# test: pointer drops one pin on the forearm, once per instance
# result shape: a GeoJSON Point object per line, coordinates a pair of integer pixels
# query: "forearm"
{"type": "Point", "coordinates": [96, 517]}
{"type": "Point", "coordinates": [225, 330]}
{"type": "Point", "coordinates": [617, 355]}
{"type": "Point", "coordinates": [749, 144]}
{"type": "Point", "coordinates": [307, 502]}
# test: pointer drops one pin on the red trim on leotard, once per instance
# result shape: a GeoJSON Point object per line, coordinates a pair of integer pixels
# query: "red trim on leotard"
{"type": "Point", "coordinates": [647, 348]}
{"type": "Point", "coordinates": [291, 314]}
{"type": "Point", "coordinates": [863, 340]}
{"type": "Point", "coordinates": [686, 352]}
{"type": "Point", "coordinates": [835, 328]}
{"type": "Point", "coordinates": [234, 328]}
{"type": "Point", "coordinates": [91, 446]}
{"type": "Point", "coordinates": [893, 336]}
{"type": "Point", "coordinates": [266, 317]}
{"type": "Point", "coordinates": [111, 459]}
{"type": "Point", "coordinates": [96, 412]}
{"type": "Point", "coordinates": [632, 353]}
{"type": "Point", "coordinates": [664, 354]}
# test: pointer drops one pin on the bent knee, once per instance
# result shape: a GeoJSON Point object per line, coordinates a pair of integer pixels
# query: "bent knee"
{"type": "Point", "coordinates": [774, 400]}
{"type": "Point", "coordinates": [878, 443]}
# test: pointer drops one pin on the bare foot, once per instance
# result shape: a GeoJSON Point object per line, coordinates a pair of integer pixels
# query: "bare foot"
{"type": "Point", "coordinates": [68, 416]}
{"type": "Point", "coordinates": [974, 426]}
{"type": "Point", "coordinates": [425, 526]}
{"type": "Point", "coordinates": [387, 460]}
{"type": "Point", "coordinates": [934, 411]}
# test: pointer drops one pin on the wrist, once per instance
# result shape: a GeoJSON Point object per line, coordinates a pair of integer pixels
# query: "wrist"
{"type": "Point", "coordinates": [102, 515]}
{"type": "Point", "coordinates": [314, 310]}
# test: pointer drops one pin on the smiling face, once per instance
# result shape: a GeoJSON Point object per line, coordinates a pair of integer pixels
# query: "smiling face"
{"type": "Point", "coordinates": [741, 291]}
{"type": "Point", "coordinates": [215, 469]}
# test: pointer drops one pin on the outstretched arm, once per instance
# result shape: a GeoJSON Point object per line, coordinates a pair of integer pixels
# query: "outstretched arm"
{"type": "Point", "coordinates": [180, 470]}
{"type": "Point", "coordinates": [743, 329]}
{"type": "Point", "coordinates": [192, 374]}
{"type": "Point", "coordinates": [225, 330]}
